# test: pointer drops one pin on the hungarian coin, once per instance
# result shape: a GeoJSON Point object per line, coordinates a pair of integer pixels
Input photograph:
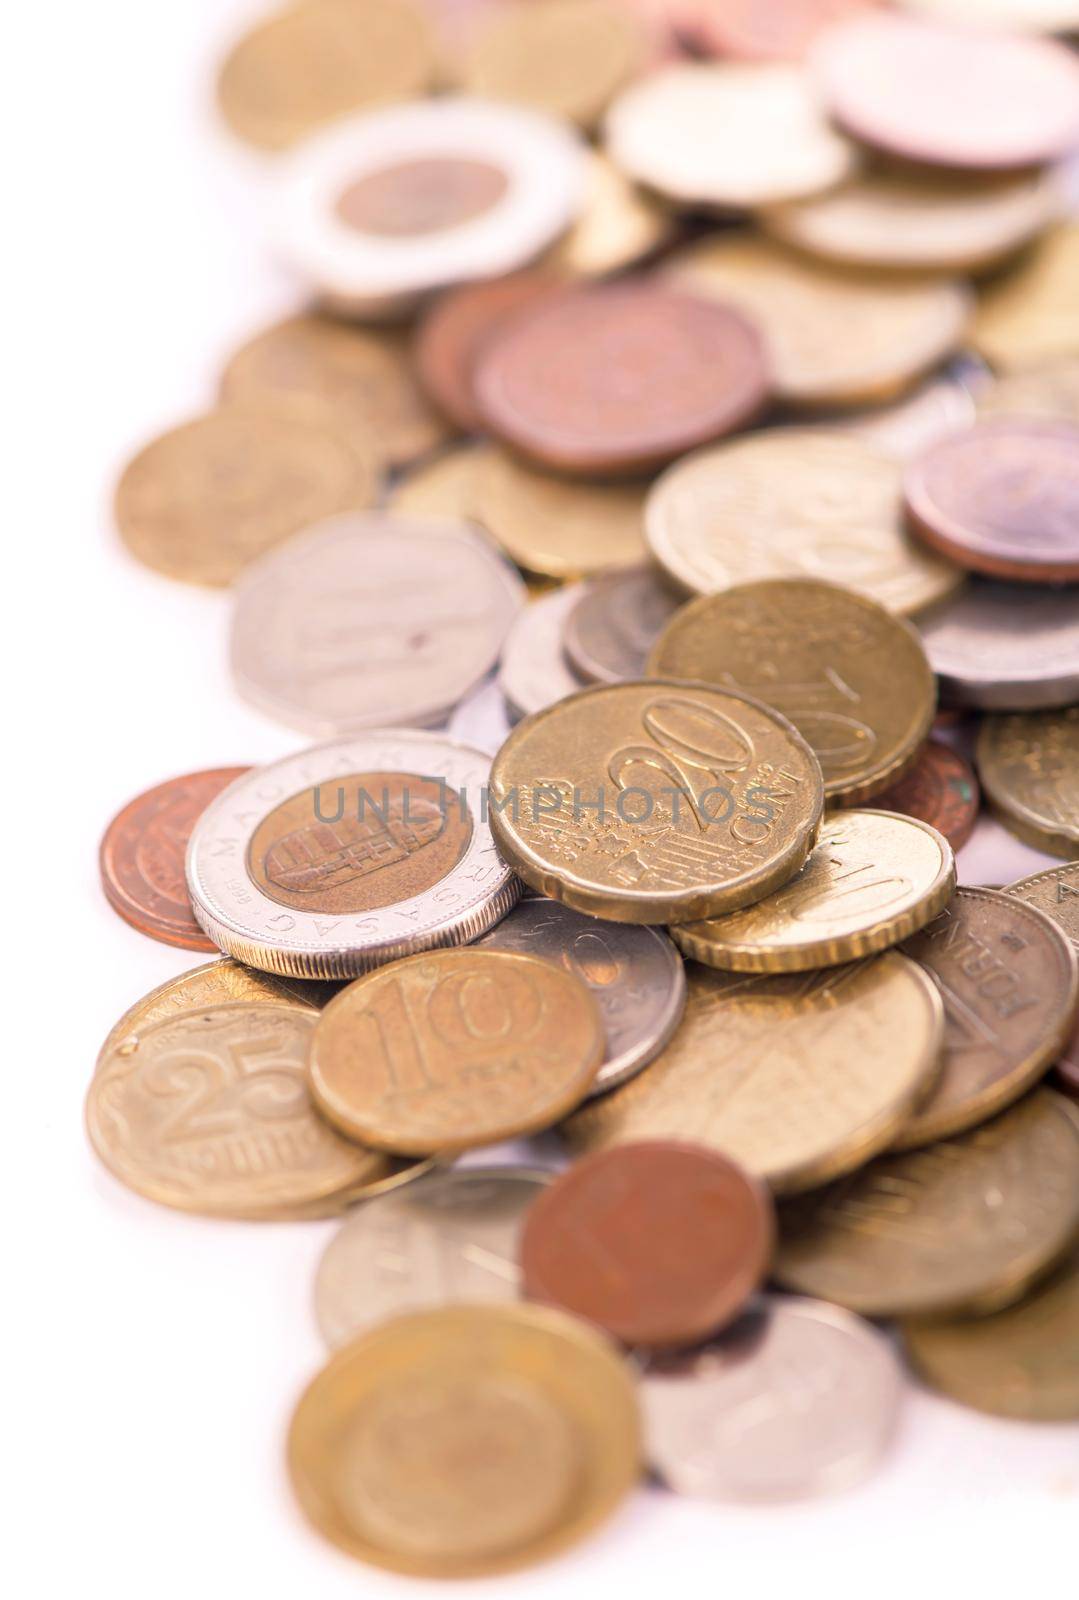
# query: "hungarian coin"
{"type": "Point", "coordinates": [1029, 767]}
{"type": "Point", "coordinates": [142, 856]}
{"type": "Point", "coordinates": [371, 621]}
{"type": "Point", "coordinates": [455, 329]}
{"type": "Point", "coordinates": [453, 1049]}
{"type": "Point", "coordinates": [207, 498]}
{"type": "Point", "coordinates": [797, 1399]}
{"type": "Point", "coordinates": [334, 860]}
{"type": "Point", "coordinates": [749, 31]}
{"type": "Point", "coordinates": [1056, 892]}
{"type": "Point", "coordinates": [924, 1233]}
{"type": "Point", "coordinates": [635, 974]}
{"type": "Point", "coordinates": [615, 623]}
{"type": "Point", "coordinates": [465, 1440]}
{"type": "Point", "coordinates": [797, 1078]}
{"type": "Point", "coordinates": [534, 673]}
{"type": "Point", "coordinates": [559, 527]}
{"type": "Point", "coordinates": [792, 503]}
{"type": "Point", "coordinates": [1045, 391]}
{"type": "Point", "coordinates": [659, 1243]}
{"type": "Point", "coordinates": [941, 789]}
{"type": "Point", "coordinates": [873, 878]}
{"type": "Point", "coordinates": [1032, 315]}
{"type": "Point", "coordinates": [619, 226]}
{"type": "Point", "coordinates": [443, 488]}
{"type": "Point", "coordinates": [852, 678]}
{"type": "Point", "coordinates": [1004, 647]}
{"type": "Point", "coordinates": [655, 802]}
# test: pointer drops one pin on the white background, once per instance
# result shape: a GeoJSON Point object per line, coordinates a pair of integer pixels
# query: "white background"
{"type": "Point", "coordinates": [151, 1359]}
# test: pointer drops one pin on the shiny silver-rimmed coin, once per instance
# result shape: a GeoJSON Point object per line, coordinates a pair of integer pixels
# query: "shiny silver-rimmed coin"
{"type": "Point", "coordinates": [799, 1398]}
{"type": "Point", "coordinates": [452, 1238]}
{"type": "Point", "coordinates": [534, 671]}
{"type": "Point", "coordinates": [615, 623]}
{"type": "Point", "coordinates": [634, 971]}
{"type": "Point", "coordinates": [1005, 646]}
{"type": "Point", "coordinates": [337, 859]}
{"type": "Point", "coordinates": [371, 621]}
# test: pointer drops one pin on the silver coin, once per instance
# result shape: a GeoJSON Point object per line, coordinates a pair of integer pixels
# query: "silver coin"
{"type": "Point", "coordinates": [481, 720]}
{"type": "Point", "coordinates": [909, 426]}
{"type": "Point", "coordinates": [369, 621]}
{"type": "Point", "coordinates": [534, 671]}
{"type": "Point", "coordinates": [798, 1399]}
{"type": "Point", "coordinates": [1005, 646]}
{"type": "Point", "coordinates": [635, 973]}
{"type": "Point", "coordinates": [615, 623]}
{"type": "Point", "coordinates": [452, 1236]}
{"type": "Point", "coordinates": [338, 859]}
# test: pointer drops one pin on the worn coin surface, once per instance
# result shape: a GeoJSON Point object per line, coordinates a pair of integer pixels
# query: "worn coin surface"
{"type": "Point", "coordinates": [1056, 892]}
{"type": "Point", "coordinates": [1004, 646]}
{"type": "Point", "coordinates": [452, 333]}
{"type": "Point", "coordinates": [559, 527]}
{"type": "Point", "coordinates": [1029, 767]}
{"type": "Point", "coordinates": [534, 672]}
{"type": "Point", "coordinates": [619, 226]}
{"type": "Point", "coordinates": [1051, 390]}
{"type": "Point", "coordinates": [615, 623]}
{"type": "Point", "coordinates": [798, 1078]}
{"type": "Point", "coordinates": [941, 789]}
{"type": "Point", "coordinates": [1032, 314]}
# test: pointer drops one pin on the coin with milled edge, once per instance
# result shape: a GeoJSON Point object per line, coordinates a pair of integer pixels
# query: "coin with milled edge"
{"type": "Point", "coordinates": [1005, 647]}
{"type": "Point", "coordinates": [1031, 315]}
{"type": "Point", "coordinates": [1029, 767]}
{"type": "Point", "coordinates": [559, 527]}
{"type": "Point", "coordinates": [1056, 892]}
{"type": "Point", "coordinates": [941, 789]}
{"type": "Point", "coordinates": [615, 623]}
{"type": "Point", "coordinates": [1051, 390]}
{"type": "Point", "coordinates": [619, 226]}
{"type": "Point", "coordinates": [451, 334]}
{"type": "Point", "coordinates": [534, 672]}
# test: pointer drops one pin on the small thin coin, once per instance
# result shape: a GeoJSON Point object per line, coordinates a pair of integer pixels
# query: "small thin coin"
{"type": "Point", "coordinates": [441, 489]}
{"type": "Point", "coordinates": [455, 1048]}
{"type": "Point", "coordinates": [615, 623]}
{"type": "Point", "coordinates": [453, 332]}
{"type": "Point", "coordinates": [749, 31]}
{"type": "Point", "coordinates": [1029, 767]}
{"type": "Point", "coordinates": [1031, 315]}
{"type": "Point", "coordinates": [659, 1243]}
{"type": "Point", "coordinates": [941, 789]}
{"type": "Point", "coordinates": [559, 527]}
{"type": "Point", "coordinates": [1005, 647]}
{"type": "Point", "coordinates": [1056, 892]}
{"type": "Point", "coordinates": [1051, 390]}
{"type": "Point", "coordinates": [619, 226]}
{"type": "Point", "coordinates": [465, 1440]}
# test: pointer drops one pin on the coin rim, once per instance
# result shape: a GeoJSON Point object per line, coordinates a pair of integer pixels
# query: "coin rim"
{"type": "Point", "coordinates": [1018, 818]}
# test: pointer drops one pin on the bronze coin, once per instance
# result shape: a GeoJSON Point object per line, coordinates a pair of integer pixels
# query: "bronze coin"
{"type": "Point", "coordinates": [620, 377]}
{"type": "Point", "coordinates": [941, 789]}
{"type": "Point", "coordinates": [142, 856]}
{"type": "Point", "coordinates": [658, 1242]}
{"type": "Point", "coordinates": [1066, 1071]}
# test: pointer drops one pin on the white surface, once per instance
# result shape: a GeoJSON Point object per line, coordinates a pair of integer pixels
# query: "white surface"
{"type": "Point", "coordinates": [151, 1359]}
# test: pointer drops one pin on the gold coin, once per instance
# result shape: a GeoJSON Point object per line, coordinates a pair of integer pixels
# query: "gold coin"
{"type": "Point", "coordinates": [793, 503]}
{"type": "Point", "coordinates": [445, 487]}
{"type": "Point", "coordinates": [963, 1226]}
{"type": "Point", "coordinates": [1056, 892]}
{"type": "Point", "coordinates": [797, 1078]}
{"type": "Point", "coordinates": [873, 878]}
{"type": "Point", "coordinates": [1032, 315]}
{"type": "Point", "coordinates": [619, 226]}
{"type": "Point", "coordinates": [1047, 391]}
{"type": "Point", "coordinates": [465, 1440]}
{"type": "Point", "coordinates": [456, 1048]}
{"type": "Point", "coordinates": [655, 802]}
{"type": "Point", "coordinates": [320, 59]}
{"type": "Point", "coordinates": [852, 678]}
{"type": "Point", "coordinates": [1029, 767]}
{"type": "Point", "coordinates": [559, 527]}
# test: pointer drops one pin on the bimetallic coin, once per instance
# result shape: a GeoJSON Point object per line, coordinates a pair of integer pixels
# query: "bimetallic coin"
{"type": "Point", "coordinates": [615, 623]}
{"type": "Point", "coordinates": [559, 527]}
{"type": "Point", "coordinates": [1005, 647]}
{"type": "Point", "coordinates": [1032, 315]}
{"type": "Point", "coordinates": [534, 672]}
{"type": "Point", "coordinates": [619, 226]}
{"type": "Point", "coordinates": [453, 332]}
{"type": "Point", "coordinates": [1051, 390]}
{"type": "Point", "coordinates": [941, 789]}
{"type": "Point", "coordinates": [1056, 892]}
{"type": "Point", "coordinates": [1029, 767]}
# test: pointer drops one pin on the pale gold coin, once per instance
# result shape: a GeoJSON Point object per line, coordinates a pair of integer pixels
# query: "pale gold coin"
{"type": "Point", "coordinates": [965, 1226]}
{"type": "Point", "coordinates": [444, 487]}
{"type": "Point", "coordinates": [1056, 892]}
{"type": "Point", "coordinates": [1045, 391]}
{"type": "Point", "coordinates": [852, 678]}
{"type": "Point", "coordinates": [559, 527]}
{"type": "Point", "coordinates": [835, 338]}
{"type": "Point", "coordinates": [620, 225]}
{"type": "Point", "coordinates": [1032, 315]}
{"type": "Point", "coordinates": [465, 1440]}
{"type": "Point", "coordinates": [873, 878]}
{"type": "Point", "coordinates": [793, 503]}
{"type": "Point", "coordinates": [1029, 767]}
{"type": "Point", "coordinates": [797, 1078]}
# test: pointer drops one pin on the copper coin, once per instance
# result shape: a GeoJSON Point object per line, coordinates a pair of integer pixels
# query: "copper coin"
{"type": "Point", "coordinates": [1002, 497]}
{"type": "Point", "coordinates": [1066, 1071]}
{"type": "Point", "coordinates": [142, 856]}
{"type": "Point", "coordinates": [620, 377]}
{"type": "Point", "coordinates": [940, 789]}
{"type": "Point", "coordinates": [748, 30]}
{"type": "Point", "coordinates": [660, 1243]}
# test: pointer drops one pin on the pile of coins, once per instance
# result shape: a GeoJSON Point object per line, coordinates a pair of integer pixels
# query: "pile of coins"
{"type": "Point", "coordinates": [665, 511]}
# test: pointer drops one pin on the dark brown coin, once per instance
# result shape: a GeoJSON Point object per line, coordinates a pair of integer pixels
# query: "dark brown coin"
{"type": "Point", "coordinates": [660, 1243]}
{"type": "Point", "coordinates": [1066, 1073]}
{"type": "Point", "coordinates": [142, 856]}
{"type": "Point", "coordinates": [615, 623]}
{"type": "Point", "coordinates": [620, 377]}
{"type": "Point", "coordinates": [1002, 497]}
{"type": "Point", "coordinates": [940, 789]}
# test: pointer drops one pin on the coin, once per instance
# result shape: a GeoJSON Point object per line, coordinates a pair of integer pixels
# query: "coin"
{"type": "Point", "coordinates": [534, 672]}
{"type": "Point", "coordinates": [1044, 391]}
{"type": "Point", "coordinates": [922, 1234]}
{"type": "Point", "coordinates": [908, 426]}
{"type": "Point", "coordinates": [655, 802]}
{"type": "Point", "coordinates": [852, 678]}
{"type": "Point", "coordinates": [559, 527]}
{"type": "Point", "coordinates": [482, 719]}
{"type": "Point", "coordinates": [142, 856]}
{"type": "Point", "coordinates": [659, 1243]}
{"type": "Point", "coordinates": [619, 226]}
{"type": "Point", "coordinates": [792, 503]}
{"type": "Point", "coordinates": [797, 1078]}
{"type": "Point", "coordinates": [455, 1048]}
{"type": "Point", "coordinates": [319, 59]}
{"type": "Point", "coordinates": [749, 31]}
{"type": "Point", "coordinates": [1032, 315]}
{"type": "Point", "coordinates": [797, 1399]}
{"type": "Point", "coordinates": [334, 860]}
{"type": "Point", "coordinates": [465, 1440]}
{"type": "Point", "coordinates": [1048, 16]}
{"type": "Point", "coordinates": [442, 489]}
{"type": "Point", "coordinates": [635, 974]}
{"type": "Point", "coordinates": [1004, 647]}
{"type": "Point", "coordinates": [206, 498]}
{"type": "Point", "coordinates": [615, 623]}
{"type": "Point", "coordinates": [1029, 767]}
{"type": "Point", "coordinates": [370, 621]}
{"type": "Point", "coordinates": [941, 789]}
{"type": "Point", "coordinates": [452, 333]}
{"type": "Point", "coordinates": [1056, 892]}
{"type": "Point", "coordinates": [1066, 1067]}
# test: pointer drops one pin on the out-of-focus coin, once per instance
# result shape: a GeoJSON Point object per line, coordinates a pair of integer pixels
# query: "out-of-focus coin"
{"type": "Point", "coordinates": [1037, 16]}
{"type": "Point", "coordinates": [615, 623]}
{"type": "Point", "coordinates": [793, 503]}
{"type": "Point", "coordinates": [454, 330]}
{"type": "Point", "coordinates": [443, 489]}
{"type": "Point", "coordinates": [482, 719]}
{"type": "Point", "coordinates": [749, 31]}
{"type": "Point", "coordinates": [1045, 391]}
{"type": "Point", "coordinates": [655, 802]}
{"type": "Point", "coordinates": [1066, 1067]}
{"type": "Point", "coordinates": [617, 378]}
{"type": "Point", "coordinates": [142, 856]}
{"type": "Point", "coordinates": [1029, 767]}
{"type": "Point", "coordinates": [852, 678]}
{"type": "Point", "coordinates": [941, 789]}
{"type": "Point", "coordinates": [337, 859]}
{"type": "Point", "coordinates": [660, 1243]}
{"type": "Point", "coordinates": [797, 1399]}
{"type": "Point", "coordinates": [534, 673]}
{"type": "Point", "coordinates": [923, 1233]}
{"type": "Point", "coordinates": [560, 527]}
{"type": "Point", "coordinates": [905, 427]}
{"type": "Point", "coordinates": [465, 1440]}
{"type": "Point", "coordinates": [206, 498]}
{"type": "Point", "coordinates": [1056, 892]}
{"type": "Point", "coordinates": [317, 60]}
{"type": "Point", "coordinates": [371, 621]}
{"type": "Point", "coordinates": [1032, 315]}
{"type": "Point", "coordinates": [726, 135]}
{"type": "Point", "coordinates": [796, 1078]}
{"type": "Point", "coordinates": [935, 94]}
{"type": "Point", "coordinates": [636, 975]}
{"type": "Point", "coordinates": [454, 1049]}
{"type": "Point", "coordinates": [1005, 646]}
{"type": "Point", "coordinates": [619, 226]}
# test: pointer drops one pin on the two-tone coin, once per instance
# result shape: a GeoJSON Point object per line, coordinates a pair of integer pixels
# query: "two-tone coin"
{"type": "Point", "coordinates": [534, 673]}
{"type": "Point", "coordinates": [1004, 646]}
{"type": "Point", "coordinates": [615, 623]}
{"type": "Point", "coordinates": [1029, 767]}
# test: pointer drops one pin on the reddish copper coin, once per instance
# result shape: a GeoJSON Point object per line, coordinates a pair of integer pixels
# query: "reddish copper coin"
{"type": "Point", "coordinates": [142, 856]}
{"type": "Point", "coordinates": [1002, 497]}
{"type": "Point", "coordinates": [620, 377]}
{"type": "Point", "coordinates": [941, 789]}
{"type": "Point", "coordinates": [752, 30]}
{"type": "Point", "coordinates": [1066, 1071]}
{"type": "Point", "coordinates": [660, 1243]}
